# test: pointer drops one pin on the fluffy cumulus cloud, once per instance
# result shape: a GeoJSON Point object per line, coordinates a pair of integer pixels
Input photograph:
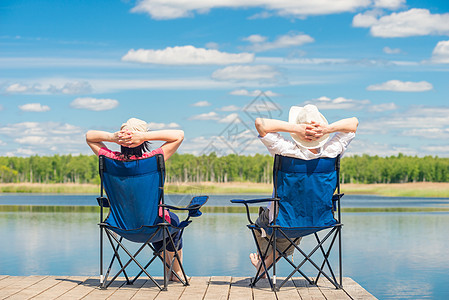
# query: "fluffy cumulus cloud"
{"type": "Point", "coordinates": [260, 44]}
{"type": "Point", "coordinates": [187, 55]}
{"type": "Point", "coordinates": [254, 93]}
{"type": "Point", "coordinates": [206, 116]}
{"type": "Point", "coordinates": [94, 104]}
{"type": "Point", "coordinates": [413, 22]}
{"type": "Point", "coordinates": [440, 53]}
{"type": "Point", "coordinates": [383, 107]}
{"type": "Point", "coordinates": [418, 121]}
{"type": "Point", "coordinates": [230, 108]}
{"type": "Point", "coordinates": [389, 4]}
{"type": "Point", "coordinates": [338, 103]}
{"type": "Point", "coordinates": [234, 117]}
{"type": "Point", "coordinates": [401, 86]}
{"type": "Point", "coordinates": [201, 104]}
{"type": "Point", "coordinates": [43, 137]}
{"type": "Point", "coordinates": [247, 73]}
{"type": "Point", "coordinates": [34, 107]}
{"type": "Point", "coordinates": [72, 87]}
{"type": "Point", "coordinates": [172, 9]}
{"type": "Point", "coordinates": [159, 126]}
{"type": "Point", "coordinates": [389, 50]}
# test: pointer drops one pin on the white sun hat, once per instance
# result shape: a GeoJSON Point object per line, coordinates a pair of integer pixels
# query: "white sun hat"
{"type": "Point", "coordinates": [135, 124]}
{"type": "Point", "coordinates": [305, 115]}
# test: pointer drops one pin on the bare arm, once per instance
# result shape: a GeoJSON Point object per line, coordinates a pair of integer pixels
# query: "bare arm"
{"type": "Point", "coordinates": [303, 131]}
{"type": "Point", "coordinates": [173, 139]}
{"type": "Point", "coordinates": [96, 138]}
{"type": "Point", "coordinates": [344, 125]}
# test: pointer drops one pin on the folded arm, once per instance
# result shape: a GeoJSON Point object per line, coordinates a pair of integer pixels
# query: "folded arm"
{"type": "Point", "coordinates": [173, 139]}
{"type": "Point", "coordinates": [303, 131]}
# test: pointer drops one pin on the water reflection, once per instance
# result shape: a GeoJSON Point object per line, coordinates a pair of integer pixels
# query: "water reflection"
{"type": "Point", "coordinates": [393, 255]}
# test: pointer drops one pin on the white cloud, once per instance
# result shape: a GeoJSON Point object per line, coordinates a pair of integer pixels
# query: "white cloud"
{"type": "Point", "coordinates": [234, 117]}
{"type": "Point", "coordinates": [75, 87]}
{"type": "Point", "coordinates": [401, 86]}
{"type": "Point", "coordinates": [428, 133]}
{"type": "Point", "coordinates": [255, 38]}
{"type": "Point", "coordinates": [259, 43]}
{"type": "Point", "coordinates": [201, 104]}
{"type": "Point", "coordinates": [212, 45]}
{"type": "Point", "coordinates": [383, 107]}
{"type": "Point", "coordinates": [254, 93]}
{"type": "Point", "coordinates": [206, 116]}
{"type": "Point", "coordinates": [440, 53]}
{"type": "Point", "coordinates": [17, 88]}
{"type": "Point", "coordinates": [230, 108]}
{"type": "Point", "coordinates": [436, 149]}
{"type": "Point", "coordinates": [247, 73]}
{"type": "Point", "coordinates": [389, 50]}
{"type": "Point", "coordinates": [172, 9]}
{"type": "Point", "coordinates": [187, 55]}
{"type": "Point", "coordinates": [159, 126]}
{"type": "Point", "coordinates": [413, 22]}
{"type": "Point", "coordinates": [360, 146]}
{"type": "Point", "coordinates": [338, 103]}
{"type": "Point", "coordinates": [389, 4]}
{"type": "Point", "coordinates": [94, 104]}
{"type": "Point", "coordinates": [35, 107]}
{"type": "Point", "coordinates": [39, 137]}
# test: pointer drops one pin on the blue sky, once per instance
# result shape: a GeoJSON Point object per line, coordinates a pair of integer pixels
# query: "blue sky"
{"type": "Point", "coordinates": [211, 67]}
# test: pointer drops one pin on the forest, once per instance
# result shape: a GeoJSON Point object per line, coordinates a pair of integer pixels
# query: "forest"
{"type": "Point", "coordinates": [257, 168]}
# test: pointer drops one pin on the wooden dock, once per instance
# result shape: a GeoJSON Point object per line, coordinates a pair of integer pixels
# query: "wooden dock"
{"type": "Point", "coordinates": [205, 288]}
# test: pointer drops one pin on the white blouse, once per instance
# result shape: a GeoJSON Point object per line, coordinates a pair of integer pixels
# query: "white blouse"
{"type": "Point", "coordinates": [277, 144]}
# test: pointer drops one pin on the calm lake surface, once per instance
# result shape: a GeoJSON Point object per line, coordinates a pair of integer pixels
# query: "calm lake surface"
{"type": "Point", "coordinates": [392, 255]}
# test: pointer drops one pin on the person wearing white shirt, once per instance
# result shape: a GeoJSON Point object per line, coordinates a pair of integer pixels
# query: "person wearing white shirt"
{"type": "Point", "coordinates": [310, 132]}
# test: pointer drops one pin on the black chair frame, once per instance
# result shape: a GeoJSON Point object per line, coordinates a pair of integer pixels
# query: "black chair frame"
{"type": "Point", "coordinates": [118, 243]}
{"type": "Point", "coordinates": [277, 231]}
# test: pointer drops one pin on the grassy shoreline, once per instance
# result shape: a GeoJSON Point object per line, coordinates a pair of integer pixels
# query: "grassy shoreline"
{"type": "Point", "coordinates": [419, 189]}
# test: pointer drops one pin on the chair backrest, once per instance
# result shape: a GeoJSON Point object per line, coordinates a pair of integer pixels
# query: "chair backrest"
{"type": "Point", "coordinates": [134, 189]}
{"type": "Point", "coordinates": [305, 189]}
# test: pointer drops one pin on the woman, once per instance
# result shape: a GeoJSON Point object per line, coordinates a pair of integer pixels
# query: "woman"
{"type": "Point", "coordinates": [134, 139]}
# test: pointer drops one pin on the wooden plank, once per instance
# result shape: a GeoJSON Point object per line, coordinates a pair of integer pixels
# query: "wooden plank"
{"type": "Point", "coordinates": [174, 291]}
{"type": "Point", "coordinates": [10, 280]}
{"type": "Point", "coordinates": [148, 291]}
{"type": "Point", "coordinates": [355, 290]}
{"type": "Point", "coordinates": [3, 277]}
{"type": "Point", "coordinates": [218, 288]}
{"type": "Point", "coordinates": [81, 290]}
{"type": "Point", "coordinates": [307, 291]}
{"type": "Point", "coordinates": [62, 287]}
{"type": "Point", "coordinates": [330, 292]}
{"type": "Point", "coordinates": [128, 291]}
{"type": "Point", "coordinates": [196, 289]}
{"type": "Point", "coordinates": [17, 284]}
{"type": "Point", "coordinates": [98, 293]}
{"type": "Point", "coordinates": [262, 290]}
{"type": "Point", "coordinates": [288, 291]}
{"type": "Point", "coordinates": [37, 288]}
{"type": "Point", "coordinates": [240, 288]}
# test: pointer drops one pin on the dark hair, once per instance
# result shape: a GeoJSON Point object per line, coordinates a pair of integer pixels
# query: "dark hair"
{"type": "Point", "coordinates": [136, 151]}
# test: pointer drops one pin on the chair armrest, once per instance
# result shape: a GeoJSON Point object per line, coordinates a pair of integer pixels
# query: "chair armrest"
{"type": "Point", "coordinates": [246, 202]}
{"type": "Point", "coordinates": [252, 201]}
{"type": "Point", "coordinates": [103, 201]}
{"type": "Point", "coordinates": [194, 206]}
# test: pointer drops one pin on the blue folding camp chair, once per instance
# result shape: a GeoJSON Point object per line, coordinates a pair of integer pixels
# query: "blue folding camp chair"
{"type": "Point", "coordinates": [135, 197]}
{"type": "Point", "coordinates": [304, 197]}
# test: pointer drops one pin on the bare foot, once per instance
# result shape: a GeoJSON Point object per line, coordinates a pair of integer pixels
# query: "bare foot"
{"type": "Point", "coordinates": [255, 260]}
{"type": "Point", "coordinates": [174, 278]}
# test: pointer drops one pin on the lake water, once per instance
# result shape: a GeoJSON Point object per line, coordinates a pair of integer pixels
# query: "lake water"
{"type": "Point", "coordinates": [392, 255]}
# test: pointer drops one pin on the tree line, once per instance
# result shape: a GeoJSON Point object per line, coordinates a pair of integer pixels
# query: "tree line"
{"type": "Point", "coordinates": [257, 168]}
